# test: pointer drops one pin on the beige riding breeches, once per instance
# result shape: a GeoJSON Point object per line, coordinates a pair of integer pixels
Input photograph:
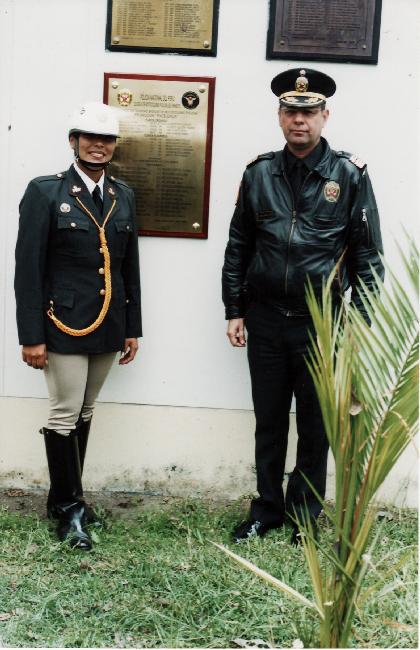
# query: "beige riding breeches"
{"type": "Point", "coordinates": [74, 381]}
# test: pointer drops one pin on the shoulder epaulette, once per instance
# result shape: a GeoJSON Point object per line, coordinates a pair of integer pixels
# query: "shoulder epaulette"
{"type": "Point", "coordinates": [51, 177]}
{"type": "Point", "coordinates": [262, 156]}
{"type": "Point", "coordinates": [358, 162]}
{"type": "Point", "coordinates": [118, 181]}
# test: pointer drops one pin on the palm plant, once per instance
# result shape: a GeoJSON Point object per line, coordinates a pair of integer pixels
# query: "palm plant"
{"type": "Point", "coordinates": [367, 384]}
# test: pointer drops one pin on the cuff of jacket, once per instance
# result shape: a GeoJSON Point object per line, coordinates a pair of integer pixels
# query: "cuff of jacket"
{"type": "Point", "coordinates": [233, 311]}
{"type": "Point", "coordinates": [133, 327]}
{"type": "Point", "coordinates": [31, 329]}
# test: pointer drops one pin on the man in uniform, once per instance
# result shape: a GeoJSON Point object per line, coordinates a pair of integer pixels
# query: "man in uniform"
{"type": "Point", "coordinates": [77, 287]}
{"type": "Point", "coordinates": [299, 212]}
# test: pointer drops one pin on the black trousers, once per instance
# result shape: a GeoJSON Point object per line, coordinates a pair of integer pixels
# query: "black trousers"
{"type": "Point", "coordinates": [277, 346]}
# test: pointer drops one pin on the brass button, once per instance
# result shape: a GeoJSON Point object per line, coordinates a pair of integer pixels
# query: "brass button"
{"type": "Point", "coordinates": [102, 292]}
{"type": "Point", "coordinates": [101, 271]}
{"type": "Point", "coordinates": [128, 227]}
{"type": "Point", "coordinates": [127, 301]}
{"type": "Point", "coordinates": [73, 225]}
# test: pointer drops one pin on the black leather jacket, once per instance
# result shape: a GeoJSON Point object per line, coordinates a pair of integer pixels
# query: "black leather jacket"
{"type": "Point", "coordinates": [58, 259]}
{"type": "Point", "coordinates": [275, 246]}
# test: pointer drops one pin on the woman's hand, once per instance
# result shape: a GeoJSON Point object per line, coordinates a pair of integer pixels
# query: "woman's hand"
{"type": "Point", "coordinates": [35, 356]}
{"type": "Point", "coordinates": [130, 350]}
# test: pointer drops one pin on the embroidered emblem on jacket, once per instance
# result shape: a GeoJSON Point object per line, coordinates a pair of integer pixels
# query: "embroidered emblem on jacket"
{"type": "Point", "coordinates": [331, 191]}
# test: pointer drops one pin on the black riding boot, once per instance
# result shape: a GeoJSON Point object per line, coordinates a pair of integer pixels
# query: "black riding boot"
{"type": "Point", "coordinates": [81, 433]}
{"type": "Point", "coordinates": [65, 501]}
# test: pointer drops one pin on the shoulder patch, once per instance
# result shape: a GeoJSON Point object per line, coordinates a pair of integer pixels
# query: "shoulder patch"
{"type": "Point", "coordinates": [262, 156]}
{"type": "Point", "coordinates": [357, 161]}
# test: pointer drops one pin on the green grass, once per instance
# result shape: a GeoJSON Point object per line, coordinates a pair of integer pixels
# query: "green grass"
{"type": "Point", "coordinates": [155, 581]}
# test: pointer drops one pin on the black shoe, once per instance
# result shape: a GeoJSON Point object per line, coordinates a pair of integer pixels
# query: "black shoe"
{"type": "Point", "coordinates": [296, 538]}
{"type": "Point", "coordinates": [250, 528]}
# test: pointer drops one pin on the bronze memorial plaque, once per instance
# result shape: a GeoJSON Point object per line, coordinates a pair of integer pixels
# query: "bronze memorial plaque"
{"type": "Point", "coordinates": [164, 152]}
{"type": "Point", "coordinates": [324, 30]}
{"type": "Point", "coordinates": [182, 26]}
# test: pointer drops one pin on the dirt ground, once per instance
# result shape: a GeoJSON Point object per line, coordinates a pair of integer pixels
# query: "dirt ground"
{"type": "Point", "coordinates": [124, 505]}
{"type": "Point", "coordinates": [120, 504]}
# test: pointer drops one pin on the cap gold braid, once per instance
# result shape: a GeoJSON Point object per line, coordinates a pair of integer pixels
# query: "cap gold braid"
{"type": "Point", "coordinates": [108, 285]}
{"type": "Point", "coordinates": [294, 93]}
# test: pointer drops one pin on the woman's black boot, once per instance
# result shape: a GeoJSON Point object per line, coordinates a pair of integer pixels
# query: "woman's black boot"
{"type": "Point", "coordinates": [65, 500]}
{"type": "Point", "coordinates": [82, 433]}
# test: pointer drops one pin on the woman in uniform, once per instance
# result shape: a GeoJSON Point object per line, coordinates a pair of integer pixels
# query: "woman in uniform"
{"type": "Point", "coordinates": [77, 288]}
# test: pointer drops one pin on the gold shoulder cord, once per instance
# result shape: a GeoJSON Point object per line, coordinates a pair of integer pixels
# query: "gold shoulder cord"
{"type": "Point", "coordinates": [107, 272]}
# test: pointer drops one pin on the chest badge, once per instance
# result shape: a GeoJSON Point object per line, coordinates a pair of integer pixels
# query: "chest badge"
{"type": "Point", "coordinates": [331, 191]}
{"type": "Point", "coordinates": [64, 207]}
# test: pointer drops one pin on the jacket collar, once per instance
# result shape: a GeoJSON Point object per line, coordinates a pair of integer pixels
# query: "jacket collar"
{"type": "Point", "coordinates": [77, 188]}
{"type": "Point", "coordinates": [323, 167]}
{"type": "Point", "coordinates": [110, 193]}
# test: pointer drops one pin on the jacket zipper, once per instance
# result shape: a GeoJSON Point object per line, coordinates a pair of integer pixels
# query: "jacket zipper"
{"type": "Point", "coordinates": [366, 222]}
{"type": "Point", "coordinates": [292, 225]}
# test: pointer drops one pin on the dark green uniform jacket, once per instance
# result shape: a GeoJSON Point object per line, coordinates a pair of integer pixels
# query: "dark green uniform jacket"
{"type": "Point", "coordinates": [275, 245]}
{"type": "Point", "coordinates": [58, 259]}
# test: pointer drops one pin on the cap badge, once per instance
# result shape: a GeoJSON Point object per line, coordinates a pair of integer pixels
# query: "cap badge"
{"type": "Point", "coordinates": [76, 189]}
{"type": "Point", "coordinates": [301, 84]}
{"type": "Point", "coordinates": [331, 191]}
{"type": "Point", "coordinates": [64, 207]}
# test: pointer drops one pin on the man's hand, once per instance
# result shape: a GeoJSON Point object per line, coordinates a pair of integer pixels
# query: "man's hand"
{"type": "Point", "coordinates": [129, 352]}
{"type": "Point", "coordinates": [35, 356]}
{"type": "Point", "coordinates": [236, 332]}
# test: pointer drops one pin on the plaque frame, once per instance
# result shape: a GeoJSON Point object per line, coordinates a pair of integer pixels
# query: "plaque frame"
{"type": "Point", "coordinates": [211, 51]}
{"type": "Point", "coordinates": [208, 146]}
{"type": "Point", "coordinates": [272, 35]}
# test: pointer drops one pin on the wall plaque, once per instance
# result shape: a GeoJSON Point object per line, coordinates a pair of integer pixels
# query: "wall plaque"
{"type": "Point", "coordinates": [324, 30]}
{"type": "Point", "coordinates": [182, 26]}
{"type": "Point", "coordinates": [164, 152]}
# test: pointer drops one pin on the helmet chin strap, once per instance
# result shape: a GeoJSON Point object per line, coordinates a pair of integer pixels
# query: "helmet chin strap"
{"type": "Point", "coordinates": [92, 166]}
{"type": "Point", "coordinates": [89, 165]}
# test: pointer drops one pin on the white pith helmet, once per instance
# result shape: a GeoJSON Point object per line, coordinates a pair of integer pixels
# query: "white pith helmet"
{"type": "Point", "coordinates": [94, 117]}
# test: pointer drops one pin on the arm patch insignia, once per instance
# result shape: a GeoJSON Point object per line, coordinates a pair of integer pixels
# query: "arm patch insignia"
{"type": "Point", "coordinates": [357, 161]}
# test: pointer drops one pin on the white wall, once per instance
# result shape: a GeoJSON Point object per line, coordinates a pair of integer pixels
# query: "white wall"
{"type": "Point", "coordinates": [52, 58]}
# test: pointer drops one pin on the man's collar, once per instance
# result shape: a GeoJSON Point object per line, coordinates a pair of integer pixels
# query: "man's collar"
{"type": "Point", "coordinates": [323, 167]}
{"type": "Point", "coordinates": [310, 161]}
